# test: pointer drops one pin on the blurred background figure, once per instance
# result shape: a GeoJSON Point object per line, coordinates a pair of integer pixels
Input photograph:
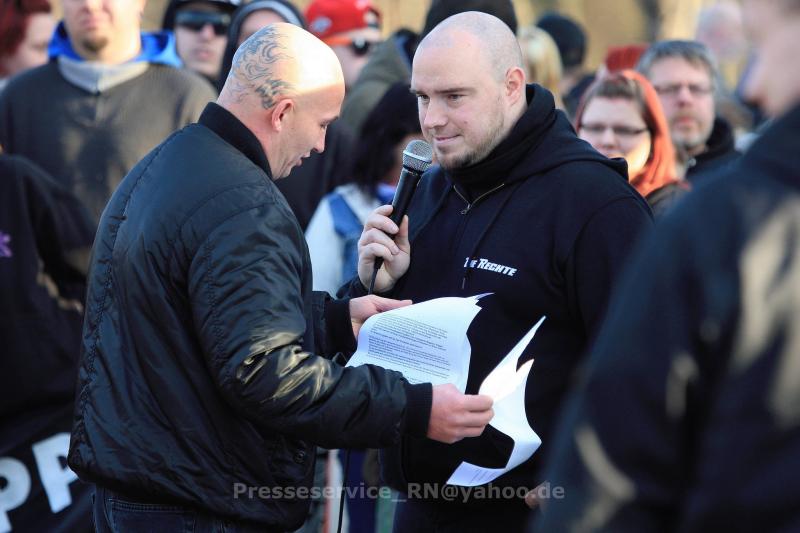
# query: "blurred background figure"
{"type": "Point", "coordinates": [352, 28]}
{"type": "Point", "coordinates": [201, 32]}
{"type": "Point", "coordinates": [685, 76]}
{"type": "Point", "coordinates": [321, 172]}
{"type": "Point", "coordinates": [336, 226]}
{"type": "Point", "coordinates": [721, 29]}
{"type": "Point", "coordinates": [391, 62]}
{"type": "Point", "coordinates": [570, 39]}
{"type": "Point", "coordinates": [105, 98]}
{"type": "Point", "coordinates": [542, 60]}
{"type": "Point", "coordinates": [620, 115]}
{"type": "Point", "coordinates": [624, 57]}
{"type": "Point", "coordinates": [251, 17]}
{"type": "Point", "coordinates": [25, 29]}
{"type": "Point", "coordinates": [45, 239]}
{"type": "Point", "coordinates": [687, 415]}
{"type": "Point", "coordinates": [332, 237]}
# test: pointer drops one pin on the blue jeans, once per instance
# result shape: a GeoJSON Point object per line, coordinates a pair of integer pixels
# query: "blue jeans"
{"type": "Point", "coordinates": [117, 514]}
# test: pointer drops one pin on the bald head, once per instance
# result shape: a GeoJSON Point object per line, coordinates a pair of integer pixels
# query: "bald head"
{"type": "Point", "coordinates": [286, 86]}
{"type": "Point", "coordinates": [494, 41]}
{"type": "Point", "coordinates": [468, 78]}
{"type": "Point", "coordinates": [277, 61]}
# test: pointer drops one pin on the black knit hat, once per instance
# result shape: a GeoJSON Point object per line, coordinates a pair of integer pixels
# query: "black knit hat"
{"type": "Point", "coordinates": [442, 9]}
{"type": "Point", "coordinates": [568, 35]}
{"type": "Point", "coordinates": [168, 22]}
{"type": "Point", "coordinates": [285, 9]}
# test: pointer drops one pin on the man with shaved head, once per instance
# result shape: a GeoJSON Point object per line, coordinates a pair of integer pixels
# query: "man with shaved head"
{"type": "Point", "coordinates": [523, 211]}
{"type": "Point", "coordinates": [200, 396]}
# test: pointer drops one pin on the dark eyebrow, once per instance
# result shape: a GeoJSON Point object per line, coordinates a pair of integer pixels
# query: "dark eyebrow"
{"type": "Point", "coordinates": [454, 90]}
{"type": "Point", "coordinates": [450, 90]}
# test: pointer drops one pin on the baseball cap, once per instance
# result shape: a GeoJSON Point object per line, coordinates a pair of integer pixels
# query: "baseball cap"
{"type": "Point", "coordinates": [329, 17]}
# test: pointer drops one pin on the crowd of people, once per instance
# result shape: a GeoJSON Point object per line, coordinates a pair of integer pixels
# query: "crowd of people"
{"type": "Point", "coordinates": [195, 223]}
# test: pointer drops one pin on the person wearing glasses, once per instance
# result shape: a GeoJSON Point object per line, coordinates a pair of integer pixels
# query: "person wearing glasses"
{"type": "Point", "coordinates": [106, 96]}
{"type": "Point", "coordinates": [352, 28]}
{"type": "Point", "coordinates": [620, 115]}
{"type": "Point", "coordinates": [685, 76]}
{"type": "Point", "coordinates": [201, 33]}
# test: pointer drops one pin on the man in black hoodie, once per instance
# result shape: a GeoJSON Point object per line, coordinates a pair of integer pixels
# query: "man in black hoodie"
{"type": "Point", "coordinates": [518, 207]}
{"type": "Point", "coordinates": [689, 419]}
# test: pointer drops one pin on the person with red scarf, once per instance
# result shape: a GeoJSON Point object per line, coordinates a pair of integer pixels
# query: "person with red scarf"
{"type": "Point", "coordinates": [621, 116]}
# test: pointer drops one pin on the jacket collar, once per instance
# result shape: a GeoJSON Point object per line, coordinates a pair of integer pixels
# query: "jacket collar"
{"type": "Point", "coordinates": [97, 78]}
{"type": "Point", "coordinates": [156, 47]}
{"type": "Point", "coordinates": [226, 125]}
{"type": "Point", "coordinates": [720, 142]}
{"type": "Point", "coordinates": [775, 151]}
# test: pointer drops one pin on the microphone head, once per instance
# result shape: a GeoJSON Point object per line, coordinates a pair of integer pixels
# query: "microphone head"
{"type": "Point", "coordinates": [417, 156]}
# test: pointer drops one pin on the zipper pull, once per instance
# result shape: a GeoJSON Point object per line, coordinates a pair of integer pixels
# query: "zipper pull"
{"type": "Point", "coordinates": [466, 209]}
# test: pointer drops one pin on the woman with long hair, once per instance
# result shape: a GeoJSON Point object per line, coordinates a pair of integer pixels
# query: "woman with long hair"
{"type": "Point", "coordinates": [621, 116]}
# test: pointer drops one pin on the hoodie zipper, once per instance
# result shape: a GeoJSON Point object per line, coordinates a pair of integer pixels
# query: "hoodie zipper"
{"type": "Point", "coordinates": [478, 199]}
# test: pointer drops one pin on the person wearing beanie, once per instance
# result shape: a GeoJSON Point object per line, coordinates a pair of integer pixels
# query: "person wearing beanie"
{"type": "Point", "coordinates": [201, 29]}
{"type": "Point", "coordinates": [250, 17]}
{"type": "Point", "coordinates": [570, 39]}
{"type": "Point", "coordinates": [352, 28]}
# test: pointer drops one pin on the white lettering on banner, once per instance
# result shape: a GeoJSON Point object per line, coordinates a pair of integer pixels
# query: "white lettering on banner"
{"type": "Point", "coordinates": [55, 478]}
{"type": "Point", "coordinates": [16, 491]}
{"type": "Point", "coordinates": [485, 264]}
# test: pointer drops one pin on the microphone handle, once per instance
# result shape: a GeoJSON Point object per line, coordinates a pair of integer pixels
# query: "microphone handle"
{"type": "Point", "coordinates": [402, 198]}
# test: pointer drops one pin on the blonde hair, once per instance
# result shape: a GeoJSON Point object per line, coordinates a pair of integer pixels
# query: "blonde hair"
{"type": "Point", "coordinates": [542, 60]}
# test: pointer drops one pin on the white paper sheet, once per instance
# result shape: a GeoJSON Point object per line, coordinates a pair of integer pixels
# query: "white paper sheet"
{"type": "Point", "coordinates": [427, 342]}
{"type": "Point", "coordinates": [506, 385]}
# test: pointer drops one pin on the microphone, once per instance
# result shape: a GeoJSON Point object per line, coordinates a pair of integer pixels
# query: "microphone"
{"type": "Point", "coordinates": [417, 157]}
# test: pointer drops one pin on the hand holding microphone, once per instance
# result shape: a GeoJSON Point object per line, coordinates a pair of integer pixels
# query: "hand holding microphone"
{"type": "Point", "coordinates": [375, 244]}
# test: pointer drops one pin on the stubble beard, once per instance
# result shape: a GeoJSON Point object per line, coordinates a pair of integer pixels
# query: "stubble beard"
{"type": "Point", "coordinates": [493, 137]}
{"type": "Point", "coordinates": [95, 45]}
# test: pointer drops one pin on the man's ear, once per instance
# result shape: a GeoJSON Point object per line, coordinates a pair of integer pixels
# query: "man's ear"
{"type": "Point", "coordinates": [515, 83]}
{"type": "Point", "coordinates": [280, 113]}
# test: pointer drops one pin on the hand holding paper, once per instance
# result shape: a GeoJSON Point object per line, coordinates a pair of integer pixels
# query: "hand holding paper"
{"type": "Point", "coordinates": [427, 342]}
{"type": "Point", "coordinates": [455, 415]}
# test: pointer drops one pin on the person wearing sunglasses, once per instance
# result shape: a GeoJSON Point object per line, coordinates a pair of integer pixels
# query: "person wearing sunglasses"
{"type": "Point", "coordinates": [352, 28]}
{"type": "Point", "coordinates": [620, 116]}
{"type": "Point", "coordinates": [201, 29]}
